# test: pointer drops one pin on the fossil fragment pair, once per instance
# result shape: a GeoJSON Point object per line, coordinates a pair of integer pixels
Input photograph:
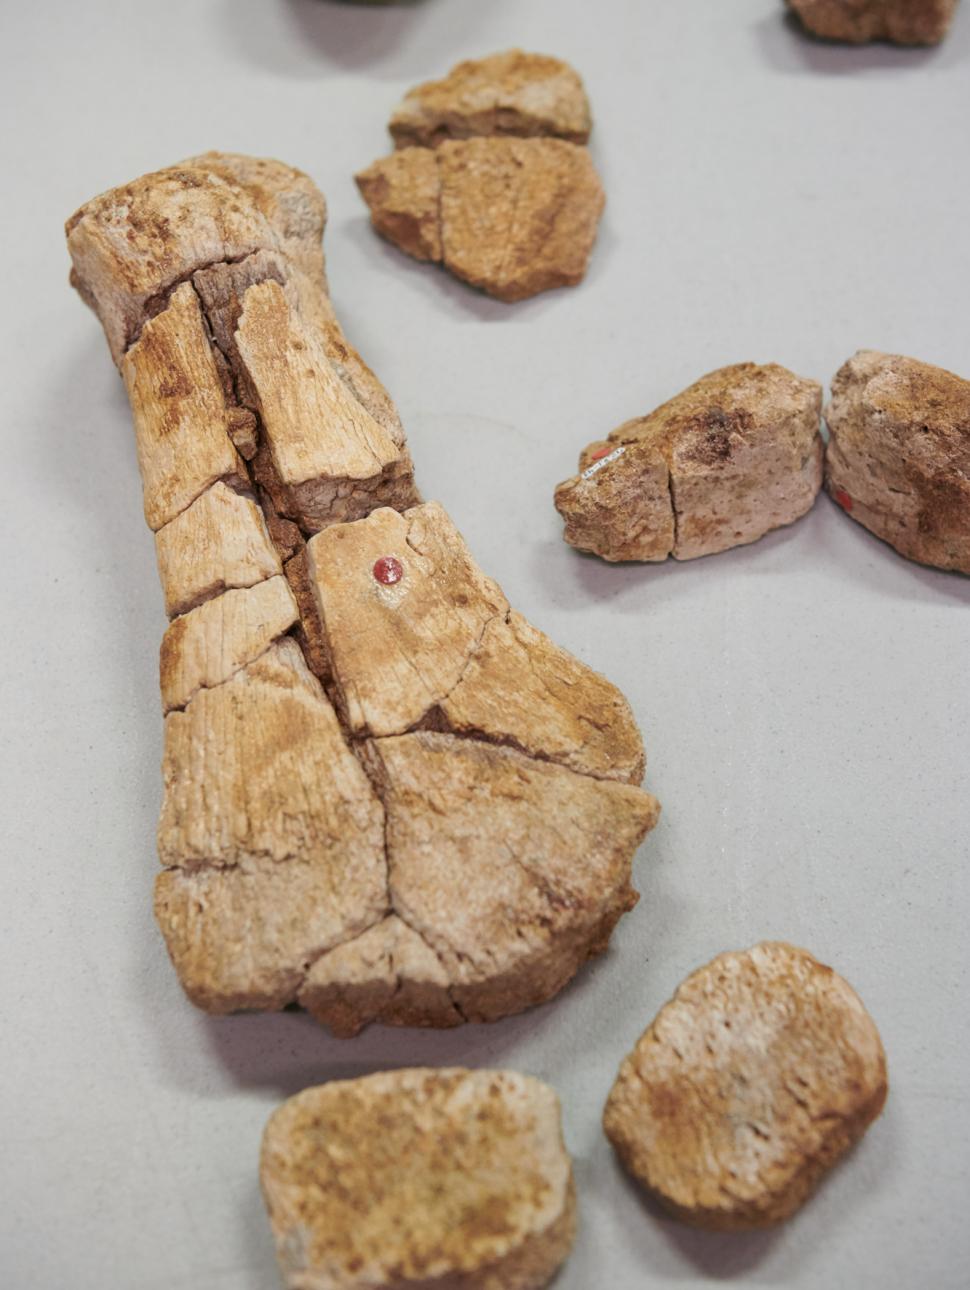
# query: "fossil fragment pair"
{"type": "Point", "coordinates": [740, 453]}
{"type": "Point", "coordinates": [491, 176]}
{"type": "Point", "coordinates": [746, 1088]}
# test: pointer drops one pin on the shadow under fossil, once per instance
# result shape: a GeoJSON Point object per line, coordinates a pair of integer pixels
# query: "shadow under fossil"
{"type": "Point", "coordinates": [303, 37]}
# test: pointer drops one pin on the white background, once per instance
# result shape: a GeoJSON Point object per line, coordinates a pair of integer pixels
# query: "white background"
{"type": "Point", "coordinates": [803, 701]}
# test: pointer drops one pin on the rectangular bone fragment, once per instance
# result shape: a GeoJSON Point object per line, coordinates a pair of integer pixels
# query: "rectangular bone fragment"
{"type": "Point", "coordinates": [732, 457]}
{"type": "Point", "coordinates": [222, 288]}
{"type": "Point", "coordinates": [510, 93]}
{"type": "Point", "coordinates": [206, 646]}
{"type": "Point", "coordinates": [220, 541]}
{"type": "Point", "coordinates": [179, 408]}
{"type": "Point", "coordinates": [330, 477]}
{"type": "Point", "coordinates": [259, 768]}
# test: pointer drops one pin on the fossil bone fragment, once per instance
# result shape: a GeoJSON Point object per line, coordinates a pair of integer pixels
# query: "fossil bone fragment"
{"type": "Point", "coordinates": [737, 454]}
{"type": "Point", "coordinates": [419, 1178]}
{"type": "Point", "coordinates": [387, 796]}
{"type": "Point", "coordinates": [490, 178]}
{"type": "Point", "coordinates": [905, 22]}
{"type": "Point", "coordinates": [512, 93]}
{"type": "Point", "coordinates": [761, 1071]}
{"type": "Point", "coordinates": [898, 458]}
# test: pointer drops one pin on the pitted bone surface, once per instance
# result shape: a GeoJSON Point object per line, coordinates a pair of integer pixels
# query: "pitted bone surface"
{"type": "Point", "coordinates": [420, 1180]}
{"type": "Point", "coordinates": [761, 1071]}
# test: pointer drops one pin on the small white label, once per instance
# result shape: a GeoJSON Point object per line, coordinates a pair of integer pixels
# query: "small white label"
{"type": "Point", "coordinates": [590, 471]}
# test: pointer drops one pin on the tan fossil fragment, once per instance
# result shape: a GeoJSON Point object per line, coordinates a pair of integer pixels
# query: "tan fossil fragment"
{"type": "Point", "coordinates": [730, 458]}
{"type": "Point", "coordinates": [898, 457]}
{"type": "Point", "coordinates": [511, 216]}
{"type": "Point", "coordinates": [210, 643]}
{"type": "Point", "coordinates": [329, 477]}
{"type": "Point", "coordinates": [419, 1178]}
{"type": "Point", "coordinates": [512, 93]}
{"type": "Point", "coordinates": [761, 1071]}
{"type": "Point", "coordinates": [219, 541]}
{"type": "Point", "coordinates": [179, 409]}
{"type": "Point", "coordinates": [271, 834]}
{"type": "Point", "coordinates": [490, 178]}
{"type": "Point", "coordinates": [906, 22]}
{"type": "Point", "coordinates": [352, 704]}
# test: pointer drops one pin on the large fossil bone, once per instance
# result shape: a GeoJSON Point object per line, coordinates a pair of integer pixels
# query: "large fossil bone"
{"type": "Point", "coordinates": [387, 796]}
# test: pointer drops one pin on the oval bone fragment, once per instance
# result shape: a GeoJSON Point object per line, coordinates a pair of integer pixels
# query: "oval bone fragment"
{"type": "Point", "coordinates": [419, 1178]}
{"type": "Point", "coordinates": [730, 458]}
{"type": "Point", "coordinates": [746, 1088]}
{"type": "Point", "coordinates": [374, 712]}
{"type": "Point", "coordinates": [905, 22]}
{"type": "Point", "coordinates": [898, 458]}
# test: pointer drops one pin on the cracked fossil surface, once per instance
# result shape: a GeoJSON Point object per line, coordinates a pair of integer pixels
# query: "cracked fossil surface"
{"type": "Point", "coordinates": [732, 457]}
{"type": "Point", "coordinates": [386, 795]}
{"type": "Point", "coordinates": [490, 178]}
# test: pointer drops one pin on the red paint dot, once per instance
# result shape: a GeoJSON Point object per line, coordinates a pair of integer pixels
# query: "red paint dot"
{"type": "Point", "coordinates": [601, 452]}
{"type": "Point", "coordinates": [388, 570]}
{"type": "Point", "coordinates": [843, 498]}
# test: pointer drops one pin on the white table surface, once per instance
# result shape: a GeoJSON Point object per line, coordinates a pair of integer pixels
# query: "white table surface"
{"type": "Point", "coordinates": [804, 700]}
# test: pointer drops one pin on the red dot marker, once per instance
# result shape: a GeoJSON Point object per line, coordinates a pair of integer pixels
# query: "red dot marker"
{"type": "Point", "coordinates": [388, 570]}
{"type": "Point", "coordinates": [601, 452]}
{"type": "Point", "coordinates": [843, 498]}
